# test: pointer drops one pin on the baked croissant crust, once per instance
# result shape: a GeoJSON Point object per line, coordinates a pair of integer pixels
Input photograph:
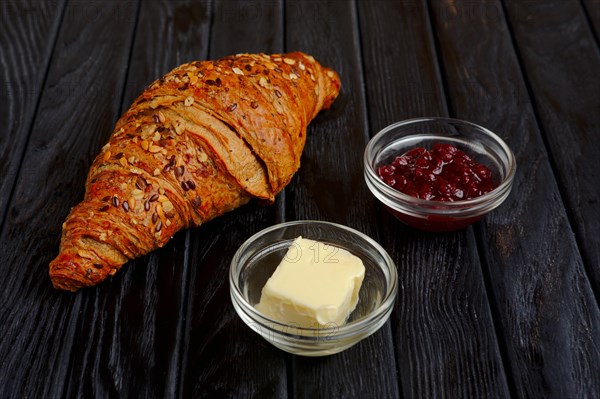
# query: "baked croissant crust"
{"type": "Point", "coordinates": [198, 142]}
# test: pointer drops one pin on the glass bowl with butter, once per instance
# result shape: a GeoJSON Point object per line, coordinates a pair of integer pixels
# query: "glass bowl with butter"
{"type": "Point", "coordinates": [312, 288]}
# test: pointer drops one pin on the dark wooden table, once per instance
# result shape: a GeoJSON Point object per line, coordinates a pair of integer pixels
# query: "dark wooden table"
{"type": "Point", "coordinates": [508, 307]}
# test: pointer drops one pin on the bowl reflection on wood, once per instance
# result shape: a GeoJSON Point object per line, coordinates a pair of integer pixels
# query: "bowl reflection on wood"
{"type": "Point", "coordinates": [256, 260]}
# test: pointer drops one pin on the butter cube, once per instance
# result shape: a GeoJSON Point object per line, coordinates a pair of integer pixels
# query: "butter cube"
{"type": "Point", "coordinates": [315, 285]}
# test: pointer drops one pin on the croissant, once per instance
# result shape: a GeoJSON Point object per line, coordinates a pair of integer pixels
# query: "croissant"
{"type": "Point", "coordinates": [200, 141]}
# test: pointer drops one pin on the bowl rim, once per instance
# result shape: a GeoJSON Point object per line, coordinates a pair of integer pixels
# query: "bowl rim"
{"type": "Point", "coordinates": [345, 330]}
{"type": "Point", "coordinates": [439, 207]}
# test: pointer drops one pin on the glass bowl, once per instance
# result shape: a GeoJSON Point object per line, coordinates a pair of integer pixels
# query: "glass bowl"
{"type": "Point", "coordinates": [258, 257]}
{"type": "Point", "coordinates": [479, 143]}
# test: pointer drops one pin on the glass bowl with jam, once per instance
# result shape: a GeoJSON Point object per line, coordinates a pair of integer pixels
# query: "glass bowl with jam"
{"type": "Point", "coordinates": [438, 174]}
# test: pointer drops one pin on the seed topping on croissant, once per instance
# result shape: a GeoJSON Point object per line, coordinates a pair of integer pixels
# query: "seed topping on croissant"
{"type": "Point", "coordinates": [200, 141]}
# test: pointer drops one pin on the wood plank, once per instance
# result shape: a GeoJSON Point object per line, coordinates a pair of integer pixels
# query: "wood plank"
{"type": "Point", "coordinates": [250, 26]}
{"type": "Point", "coordinates": [548, 316]}
{"type": "Point", "coordinates": [77, 109]}
{"type": "Point", "coordinates": [562, 61]}
{"type": "Point", "coordinates": [592, 9]}
{"type": "Point", "coordinates": [137, 321]}
{"type": "Point", "coordinates": [443, 328]}
{"type": "Point", "coordinates": [27, 36]}
{"type": "Point", "coordinates": [331, 174]}
{"type": "Point", "coordinates": [224, 357]}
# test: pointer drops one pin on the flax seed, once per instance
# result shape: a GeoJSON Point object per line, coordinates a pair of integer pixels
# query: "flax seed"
{"type": "Point", "coordinates": [197, 201]}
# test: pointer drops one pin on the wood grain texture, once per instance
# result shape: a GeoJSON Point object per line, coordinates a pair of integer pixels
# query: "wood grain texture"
{"type": "Point", "coordinates": [402, 77]}
{"type": "Point", "coordinates": [443, 328]}
{"type": "Point", "coordinates": [548, 315]}
{"type": "Point", "coordinates": [225, 358]}
{"type": "Point", "coordinates": [133, 346]}
{"type": "Point", "coordinates": [331, 174]}
{"type": "Point", "coordinates": [562, 61]}
{"type": "Point", "coordinates": [40, 323]}
{"type": "Point", "coordinates": [129, 340]}
{"type": "Point", "coordinates": [27, 33]}
{"type": "Point", "coordinates": [251, 26]}
{"type": "Point", "coordinates": [592, 9]}
{"type": "Point", "coordinates": [165, 326]}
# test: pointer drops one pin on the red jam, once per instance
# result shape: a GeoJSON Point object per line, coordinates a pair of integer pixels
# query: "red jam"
{"type": "Point", "coordinates": [443, 173]}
